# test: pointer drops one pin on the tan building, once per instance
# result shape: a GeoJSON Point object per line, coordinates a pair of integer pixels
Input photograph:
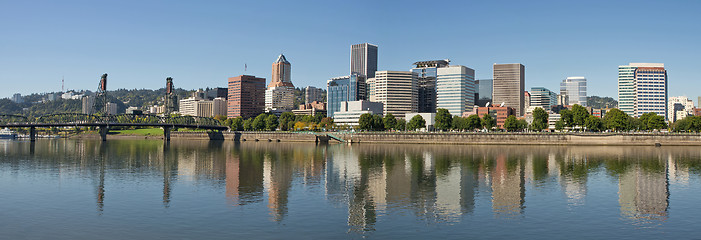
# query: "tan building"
{"type": "Point", "coordinates": [509, 82]}
{"type": "Point", "coordinates": [311, 108]}
{"type": "Point", "coordinates": [397, 90]}
{"type": "Point", "coordinates": [280, 93]}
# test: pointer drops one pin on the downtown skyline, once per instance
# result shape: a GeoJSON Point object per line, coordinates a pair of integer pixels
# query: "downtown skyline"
{"type": "Point", "coordinates": [203, 44]}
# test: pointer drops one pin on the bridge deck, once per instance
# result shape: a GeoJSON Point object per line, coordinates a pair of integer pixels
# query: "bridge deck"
{"type": "Point", "coordinates": [208, 127]}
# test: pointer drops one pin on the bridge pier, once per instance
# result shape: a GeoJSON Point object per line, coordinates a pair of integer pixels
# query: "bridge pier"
{"type": "Point", "coordinates": [166, 133]}
{"type": "Point", "coordinates": [32, 134]}
{"type": "Point", "coordinates": [103, 132]}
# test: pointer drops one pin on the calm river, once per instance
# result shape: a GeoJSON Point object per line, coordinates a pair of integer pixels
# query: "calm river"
{"type": "Point", "coordinates": [144, 189]}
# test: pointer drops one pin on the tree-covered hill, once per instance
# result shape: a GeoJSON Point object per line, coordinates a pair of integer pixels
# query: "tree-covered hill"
{"type": "Point", "coordinates": [601, 102]}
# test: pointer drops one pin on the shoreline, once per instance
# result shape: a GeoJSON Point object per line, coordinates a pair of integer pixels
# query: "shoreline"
{"type": "Point", "coordinates": [448, 138]}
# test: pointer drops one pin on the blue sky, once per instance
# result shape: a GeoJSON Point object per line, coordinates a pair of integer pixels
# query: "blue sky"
{"type": "Point", "coordinates": [202, 43]}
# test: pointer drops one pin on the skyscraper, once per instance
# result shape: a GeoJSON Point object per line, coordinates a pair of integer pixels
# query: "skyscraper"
{"type": "Point", "coordinates": [455, 89]}
{"type": "Point", "coordinates": [364, 60]}
{"type": "Point", "coordinates": [427, 74]}
{"type": "Point", "coordinates": [543, 98]}
{"type": "Point", "coordinates": [246, 96]}
{"type": "Point", "coordinates": [342, 89]}
{"type": "Point", "coordinates": [398, 90]}
{"type": "Point", "coordinates": [280, 93]}
{"type": "Point", "coordinates": [484, 95]}
{"type": "Point", "coordinates": [509, 81]}
{"type": "Point", "coordinates": [575, 88]}
{"type": "Point", "coordinates": [642, 88]}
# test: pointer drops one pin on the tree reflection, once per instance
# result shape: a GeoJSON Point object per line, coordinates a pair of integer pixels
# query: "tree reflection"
{"type": "Point", "coordinates": [430, 183]}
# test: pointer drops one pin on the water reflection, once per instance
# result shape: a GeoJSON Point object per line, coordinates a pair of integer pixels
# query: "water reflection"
{"type": "Point", "coordinates": [435, 184]}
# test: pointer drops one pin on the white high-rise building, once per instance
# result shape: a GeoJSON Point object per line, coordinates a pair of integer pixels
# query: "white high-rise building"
{"type": "Point", "coordinates": [17, 98]}
{"type": "Point", "coordinates": [397, 90]}
{"type": "Point", "coordinates": [642, 88]}
{"type": "Point", "coordinates": [279, 99]}
{"type": "Point", "coordinates": [455, 89]}
{"type": "Point", "coordinates": [575, 88]}
{"type": "Point", "coordinates": [219, 106]}
{"type": "Point", "coordinates": [679, 107]}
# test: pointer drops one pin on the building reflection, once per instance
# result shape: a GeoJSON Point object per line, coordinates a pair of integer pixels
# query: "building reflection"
{"type": "Point", "coordinates": [435, 184]}
{"type": "Point", "coordinates": [508, 186]}
{"type": "Point", "coordinates": [644, 191]}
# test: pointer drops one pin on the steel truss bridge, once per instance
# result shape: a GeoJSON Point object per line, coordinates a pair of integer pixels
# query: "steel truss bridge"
{"type": "Point", "coordinates": [105, 122]}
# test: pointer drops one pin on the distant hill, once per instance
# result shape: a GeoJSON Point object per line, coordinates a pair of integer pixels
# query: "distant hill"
{"type": "Point", "coordinates": [37, 104]}
{"type": "Point", "coordinates": [601, 102]}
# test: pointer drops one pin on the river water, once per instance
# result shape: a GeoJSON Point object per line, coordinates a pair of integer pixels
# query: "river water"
{"type": "Point", "coordinates": [144, 189]}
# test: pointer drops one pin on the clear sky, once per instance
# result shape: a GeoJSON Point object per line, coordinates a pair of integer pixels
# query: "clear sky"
{"type": "Point", "coordinates": [202, 43]}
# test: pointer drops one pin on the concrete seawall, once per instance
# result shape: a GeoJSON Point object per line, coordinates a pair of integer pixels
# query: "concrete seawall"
{"type": "Point", "coordinates": [462, 138]}
{"type": "Point", "coordinates": [249, 136]}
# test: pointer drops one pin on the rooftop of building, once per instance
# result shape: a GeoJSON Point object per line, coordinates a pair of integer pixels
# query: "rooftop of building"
{"type": "Point", "coordinates": [281, 59]}
{"type": "Point", "coordinates": [432, 63]}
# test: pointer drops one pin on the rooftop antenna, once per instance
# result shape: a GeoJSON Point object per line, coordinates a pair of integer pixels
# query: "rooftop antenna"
{"type": "Point", "coordinates": [62, 84]}
{"type": "Point", "coordinates": [245, 67]}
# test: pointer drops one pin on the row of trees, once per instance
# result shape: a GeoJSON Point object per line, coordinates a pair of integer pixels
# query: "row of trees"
{"type": "Point", "coordinates": [286, 122]}
{"type": "Point", "coordinates": [579, 119]}
{"type": "Point", "coordinates": [576, 119]}
{"type": "Point", "coordinates": [369, 122]}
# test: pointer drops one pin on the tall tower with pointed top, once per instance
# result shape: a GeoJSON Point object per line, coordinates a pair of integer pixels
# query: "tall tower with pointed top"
{"type": "Point", "coordinates": [281, 73]}
{"type": "Point", "coordinates": [279, 97]}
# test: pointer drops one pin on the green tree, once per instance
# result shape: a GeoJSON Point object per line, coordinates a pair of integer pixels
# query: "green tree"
{"type": "Point", "coordinates": [460, 123]}
{"type": "Point", "coordinates": [473, 122]}
{"type": "Point", "coordinates": [522, 124]}
{"type": "Point", "coordinates": [560, 125]}
{"type": "Point", "coordinates": [511, 123]}
{"type": "Point", "coordinates": [616, 120]}
{"type": "Point", "coordinates": [443, 119]}
{"type": "Point", "coordinates": [488, 122]}
{"type": "Point", "coordinates": [248, 125]}
{"type": "Point", "coordinates": [285, 119]}
{"type": "Point", "coordinates": [377, 123]}
{"type": "Point", "coordinates": [236, 123]}
{"type": "Point", "coordinates": [633, 124]}
{"type": "Point", "coordinates": [567, 118]}
{"type": "Point", "coordinates": [365, 122]}
{"type": "Point", "coordinates": [318, 116]}
{"type": "Point", "coordinates": [221, 118]}
{"type": "Point", "coordinates": [593, 124]}
{"type": "Point", "coordinates": [271, 122]}
{"type": "Point", "coordinates": [540, 119]}
{"type": "Point", "coordinates": [656, 122]}
{"type": "Point", "coordinates": [416, 122]}
{"type": "Point", "coordinates": [389, 121]}
{"type": "Point", "coordinates": [644, 119]}
{"type": "Point", "coordinates": [401, 124]}
{"type": "Point", "coordinates": [326, 123]}
{"type": "Point", "coordinates": [579, 115]}
{"type": "Point", "coordinates": [259, 122]}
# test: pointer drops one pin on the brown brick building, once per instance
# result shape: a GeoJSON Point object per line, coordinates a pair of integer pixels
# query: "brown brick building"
{"type": "Point", "coordinates": [246, 96]}
{"type": "Point", "coordinates": [498, 113]}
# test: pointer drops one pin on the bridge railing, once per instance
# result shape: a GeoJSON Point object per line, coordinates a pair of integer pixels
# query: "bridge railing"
{"type": "Point", "coordinates": [12, 119]}
{"type": "Point", "coordinates": [76, 118]}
